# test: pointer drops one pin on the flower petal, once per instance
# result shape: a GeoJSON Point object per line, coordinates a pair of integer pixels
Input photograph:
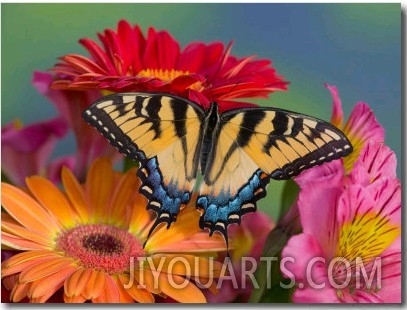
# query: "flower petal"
{"type": "Point", "coordinates": [27, 211]}
{"type": "Point", "coordinates": [45, 269]}
{"type": "Point", "coordinates": [28, 241]}
{"type": "Point", "coordinates": [52, 199]}
{"type": "Point", "coordinates": [376, 161]}
{"type": "Point", "coordinates": [123, 192]}
{"type": "Point", "coordinates": [189, 265]}
{"type": "Point", "coordinates": [95, 285]}
{"type": "Point", "coordinates": [75, 284]}
{"type": "Point", "coordinates": [137, 293]}
{"type": "Point", "coordinates": [337, 112]}
{"type": "Point", "coordinates": [99, 192]}
{"type": "Point", "coordinates": [110, 292]}
{"type": "Point", "coordinates": [45, 287]}
{"type": "Point", "coordinates": [180, 289]}
{"type": "Point", "coordinates": [298, 253]}
{"type": "Point", "coordinates": [75, 193]}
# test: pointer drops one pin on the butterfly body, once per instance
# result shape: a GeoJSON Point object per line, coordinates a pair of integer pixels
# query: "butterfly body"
{"type": "Point", "coordinates": [236, 152]}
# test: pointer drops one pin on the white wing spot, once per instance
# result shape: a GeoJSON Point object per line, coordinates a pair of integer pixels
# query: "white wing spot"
{"type": "Point", "coordinates": [147, 189]}
{"type": "Point", "coordinates": [113, 136]}
{"type": "Point", "coordinates": [322, 158]}
{"type": "Point", "coordinates": [338, 150]}
{"type": "Point", "coordinates": [312, 161]}
{"type": "Point", "coordinates": [330, 154]}
{"type": "Point", "coordinates": [88, 112]}
{"type": "Point", "coordinates": [106, 129]}
{"type": "Point", "coordinates": [346, 146]}
{"type": "Point", "coordinates": [94, 117]}
{"type": "Point", "coordinates": [100, 123]}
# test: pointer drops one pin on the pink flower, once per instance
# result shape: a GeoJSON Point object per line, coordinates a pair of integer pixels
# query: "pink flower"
{"type": "Point", "coordinates": [27, 150]}
{"type": "Point", "coordinates": [350, 249]}
{"type": "Point", "coordinates": [345, 234]}
{"type": "Point", "coordinates": [130, 61]}
{"type": "Point", "coordinates": [248, 239]}
{"type": "Point", "coordinates": [70, 104]}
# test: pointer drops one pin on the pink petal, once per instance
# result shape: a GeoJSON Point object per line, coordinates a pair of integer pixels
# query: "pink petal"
{"type": "Point", "coordinates": [375, 161]}
{"type": "Point", "coordinates": [298, 253]}
{"type": "Point", "coordinates": [363, 124]}
{"type": "Point", "coordinates": [337, 112]}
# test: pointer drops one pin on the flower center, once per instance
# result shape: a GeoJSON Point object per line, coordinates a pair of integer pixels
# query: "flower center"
{"type": "Point", "coordinates": [167, 75]}
{"type": "Point", "coordinates": [162, 74]}
{"type": "Point", "coordinates": [361, 241]}
{"type": "Point", "coordinates": [102, 247]}
{"type": "Point", "coordinates": [366, 237]}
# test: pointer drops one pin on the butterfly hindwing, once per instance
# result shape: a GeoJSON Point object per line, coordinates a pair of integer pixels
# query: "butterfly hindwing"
{"type": "Point", "coordinates": [253, 145]}
{"type": "Point", "coordinates": [160, 131]}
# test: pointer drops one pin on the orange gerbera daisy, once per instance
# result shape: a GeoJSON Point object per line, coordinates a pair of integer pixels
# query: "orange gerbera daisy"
{"type": "Point", "coordinates": [88, 241]}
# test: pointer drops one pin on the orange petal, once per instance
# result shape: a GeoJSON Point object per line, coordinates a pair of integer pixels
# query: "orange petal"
{"type": "Point", "coordinates": [45, 269]}
{"type": "Point", "coordinates": [76, 283]}
{"type": "Point", "coordinates": [197, 243]}
{"type": "Point", "coordinates": [52, 199]}
{"type": "Point", "coordinates": [99, 183]}
{"type": "Point", "coordinates": [25, 260]}
{"type": "Point", "coordinates": [180, 289]}
{"type": "Point", "coordinates": [140, 217]}
{"type": "Point", "coordinates": [188, 265]}
{"type": "Point", "coordinates": [19, 231]}
{"type": "Point", "coordinates": [186, 225]}
{"type": "Point", "coordinates": [18, 243]}
{"type": "Point", "coordinates": [122, 194]}
{"type": "Point", "coordinates": [138, 294]}
{"type": "Point", "coordinates": [95, 285]}
{"type": "Point", "coordinates": [147, 279]}
{"type": "Point", "coordinates": [47, 286]}
{"type": "Point", "coordinates": [110, 293]}
{"type": "Point", "coordinates": [124, 297]}
{"type": "Point", "coordinates": [75, 193]}
{"type": "Point", "coordinates": [27, 211]}
{"type": "Point", "coordinates": [19, 291]}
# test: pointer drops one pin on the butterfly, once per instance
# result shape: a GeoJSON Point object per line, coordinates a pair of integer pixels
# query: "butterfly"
{"type": "Point", "coordinates": [232, 154]}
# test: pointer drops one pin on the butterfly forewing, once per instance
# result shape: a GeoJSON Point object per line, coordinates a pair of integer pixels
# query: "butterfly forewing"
{"type": "Point", "coordinates": [163, 133]}
{"type": "Point", "coordinates": [284, 143]}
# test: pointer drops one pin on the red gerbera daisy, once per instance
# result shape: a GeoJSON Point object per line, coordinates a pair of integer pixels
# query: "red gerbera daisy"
{"type": "Point", "coordinates": [129, 61]}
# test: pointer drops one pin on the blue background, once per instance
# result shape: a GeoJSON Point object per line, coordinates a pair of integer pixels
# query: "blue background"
{"type": "Point", "coordinates": [356, 47]}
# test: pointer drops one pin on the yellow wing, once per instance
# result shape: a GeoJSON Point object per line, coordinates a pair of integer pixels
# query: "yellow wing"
{"type": "Point", "coordinates": [163, 133]}
{"type": "Point", "coordinates": [253, 145]}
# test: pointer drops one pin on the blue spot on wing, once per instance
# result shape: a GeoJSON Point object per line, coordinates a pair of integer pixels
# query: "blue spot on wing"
{"type": "Point", "coordinates": [164, 199]}
{"type": "Point", "coordinates": [225, 209]}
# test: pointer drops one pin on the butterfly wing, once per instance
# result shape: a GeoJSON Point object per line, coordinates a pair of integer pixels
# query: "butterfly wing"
{"type": "Point", "coordinates": [254, 145]}
{"type": "Point", "coordinates": [163, 133]}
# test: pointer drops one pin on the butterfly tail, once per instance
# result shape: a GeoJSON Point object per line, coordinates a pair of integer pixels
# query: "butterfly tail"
{"type": "Point", "coordinates": [164, 199]}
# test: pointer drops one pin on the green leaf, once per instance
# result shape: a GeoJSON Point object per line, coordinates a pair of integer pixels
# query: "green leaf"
{"type": "Point", "coordinates": [288, 196]}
